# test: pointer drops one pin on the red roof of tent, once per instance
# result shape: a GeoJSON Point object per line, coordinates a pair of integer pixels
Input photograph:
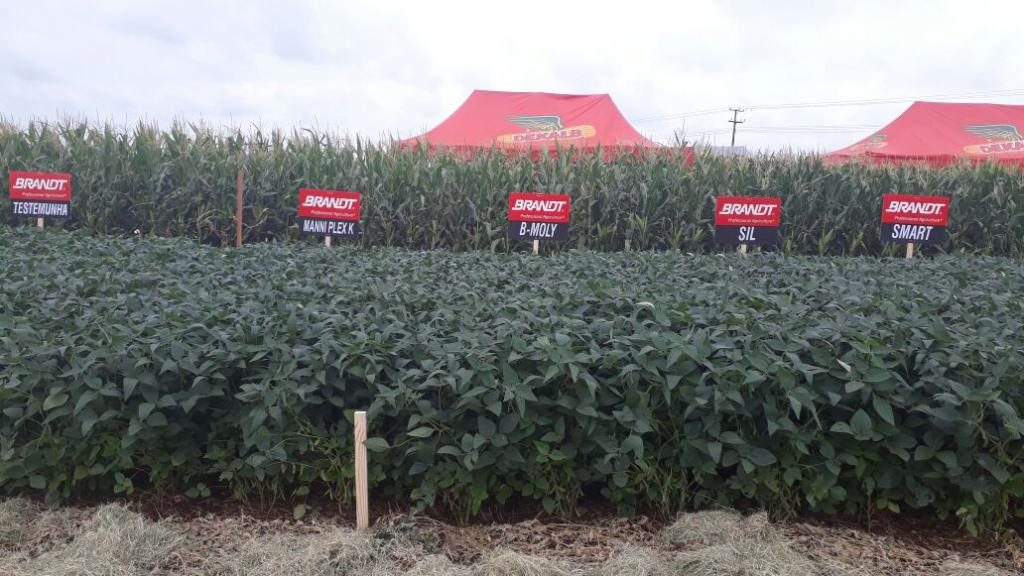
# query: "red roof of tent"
{"type": "Point", "coordinates": [941, 133]}
{"type": "Point", "coordinates": [534, 121]}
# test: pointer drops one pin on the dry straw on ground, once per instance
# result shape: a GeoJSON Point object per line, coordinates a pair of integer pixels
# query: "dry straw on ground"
{"type": "Point", "coordinates": [26, 526]}
{"type": "Point", "coordinates": [516, 564]}
{"type": "Point", "coordinates": [112, 540]}
{"type": "Point", "coordinates": [16, 520]}
{"type": "Point", "coordinates": [338, 551]}
{"type": "Point", "coordinates": [437, 565]}
{"type": "Point", "coordinates": [711, 527]}
{"type": "Point", "coordinates": [637, 561]}
{"type": "Point", "coordinates": [724, 543]}
{"type": "Point", "coordinates": [970, 569]}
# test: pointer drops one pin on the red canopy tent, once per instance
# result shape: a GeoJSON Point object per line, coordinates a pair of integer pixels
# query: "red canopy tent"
{"type": "Point", "coordinates": [534, 122]}
{"type": "Point", "coordinates": [940, 133]}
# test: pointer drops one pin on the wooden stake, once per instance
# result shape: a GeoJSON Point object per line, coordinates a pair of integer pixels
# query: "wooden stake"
{"type": "Point", "coordinates": [536, 246]}
{"type": "Point", "coordinates": [362, 488]}
{"type": "Point", "coordinates": [743, 248]}
{"type": "Point", "coordinates": [910, 250]}
{"type": "Point", "coordinates": [238, 211]}
{"type": "Point", "coordinates": [327, 241]}
{"type": "Point", "coordinates": [40, 222]}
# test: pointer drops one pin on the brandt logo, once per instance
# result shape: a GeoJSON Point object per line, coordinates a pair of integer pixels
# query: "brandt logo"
{"type": "Point", "coordinates": [923, 208]}
{"type": "Point", "coordinates": [326, 202]}
{"type": "Point", "coordinates": [539, 205]}
{"type": "Point", "coordinates": [48, 184]}
{"type": "Point", "coordinates": [748, 209]}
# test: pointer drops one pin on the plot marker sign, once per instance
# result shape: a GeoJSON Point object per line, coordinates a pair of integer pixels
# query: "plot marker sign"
{"type": "Point", "coordinates": [745, 220]}
{"type": "Point", "coordinates": [913, 219]}
{"type": "Point", "coordinates": [40, 195]}
{"type": "Point", "coordinates": [538, 216]}
{"type": "Point", "coordinates": [330, 213]}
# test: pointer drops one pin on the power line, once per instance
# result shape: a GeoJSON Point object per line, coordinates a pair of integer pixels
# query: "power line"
{"type": "Point", "coordinates": [837, 103]}
{"type": "Point", "coordinates": [792, 129]}
{"type": "Point", "coordinates": [681, 115]}
{"type": "Point", "coordinates": [812, 129]}
{"type": "Point", "coordinates": [667, 136]}
{"type": "Point", "coordinates": [822, 126]}
{"type": "Point", "coordinates": [875, 101]}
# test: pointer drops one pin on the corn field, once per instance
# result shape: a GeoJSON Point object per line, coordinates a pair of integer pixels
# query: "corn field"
{"type": "Point", "coordinates": [181, 182]}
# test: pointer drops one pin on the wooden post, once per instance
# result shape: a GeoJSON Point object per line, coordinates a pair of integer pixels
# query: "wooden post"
{"type": "Point", "coordinates": [40, 222]}
{"type": "Point", "coordinates": [238, 211]}
{"type": "Point", "coordinates": [743, 248]}
{"type": "Point", "coordinates": [327, 241]}
{"type": "Point", "coordinates": [362, 488]}
{"type": "Point", "coordinates": [910, 250]}
{"type": "Point", "coordinates": [536, 246]}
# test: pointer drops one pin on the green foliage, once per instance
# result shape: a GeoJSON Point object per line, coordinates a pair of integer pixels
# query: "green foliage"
{"type": "Point", "coordinates": [652, 379]}
{"type": "Point", "coordinates": [181, 182]}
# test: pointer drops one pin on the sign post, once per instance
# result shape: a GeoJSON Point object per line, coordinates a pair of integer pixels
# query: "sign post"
{"type": "Point", "coordinates": [45, 195]}
{"type": "Point", "coordinates": [238, 208]}
{"type": "Point", "coordinates": [533, 216]}
{"type": "Point", "coordinates": [362, 476]}
{"type": "Point", "coordinates": [914, 219]}
{"type": "Point", "coordinates": [330, 213]}
{"type": "Point", "coordinates": [746, 220]}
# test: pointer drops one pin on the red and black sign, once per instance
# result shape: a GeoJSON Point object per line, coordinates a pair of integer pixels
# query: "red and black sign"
{"type": "Point", "coordinates": [914, 219]}
{"type": "Point", "coordinates": [534, 216]}
{"type": "Point", "coordinates": [40, 194]}
{"type": "Point", "coordinates": [747, 220]}
{"type": "Point", "coordinates": [330, 213]}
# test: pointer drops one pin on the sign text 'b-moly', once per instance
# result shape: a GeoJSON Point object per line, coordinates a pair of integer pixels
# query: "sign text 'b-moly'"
{"type": "Point", "coordinates": [538, 216]}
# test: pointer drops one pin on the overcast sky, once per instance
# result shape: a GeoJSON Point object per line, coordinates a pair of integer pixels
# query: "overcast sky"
{"type": "Point", "coordinates": [398, 68]}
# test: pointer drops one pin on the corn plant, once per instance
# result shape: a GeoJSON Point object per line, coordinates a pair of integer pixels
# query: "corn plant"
{"type": "Point", "coordinates": [181, 182]}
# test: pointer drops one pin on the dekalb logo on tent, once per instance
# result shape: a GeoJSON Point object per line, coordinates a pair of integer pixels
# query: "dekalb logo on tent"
{"type": "Point", "coordinates": [545, 129]}
{"type": "Point", "coordinates": [1002, 138]}
{"type": "Point", "coordinates": [529, 207]}
{"type": "Point", "coordinates": [914, 209]}
{"type": "Point", "coordinates": [873, 142]}
{"type": "Point", "coordinates": [330, 205]}
{"type": "Point", "coordinates": [40, 186]}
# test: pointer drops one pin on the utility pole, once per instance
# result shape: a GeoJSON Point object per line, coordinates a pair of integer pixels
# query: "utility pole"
{"type": "Point", "coordinates": [734, 122]}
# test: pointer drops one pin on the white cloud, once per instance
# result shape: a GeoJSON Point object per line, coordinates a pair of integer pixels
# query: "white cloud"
{"type": "Point", "coordinates": [401, 67]}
